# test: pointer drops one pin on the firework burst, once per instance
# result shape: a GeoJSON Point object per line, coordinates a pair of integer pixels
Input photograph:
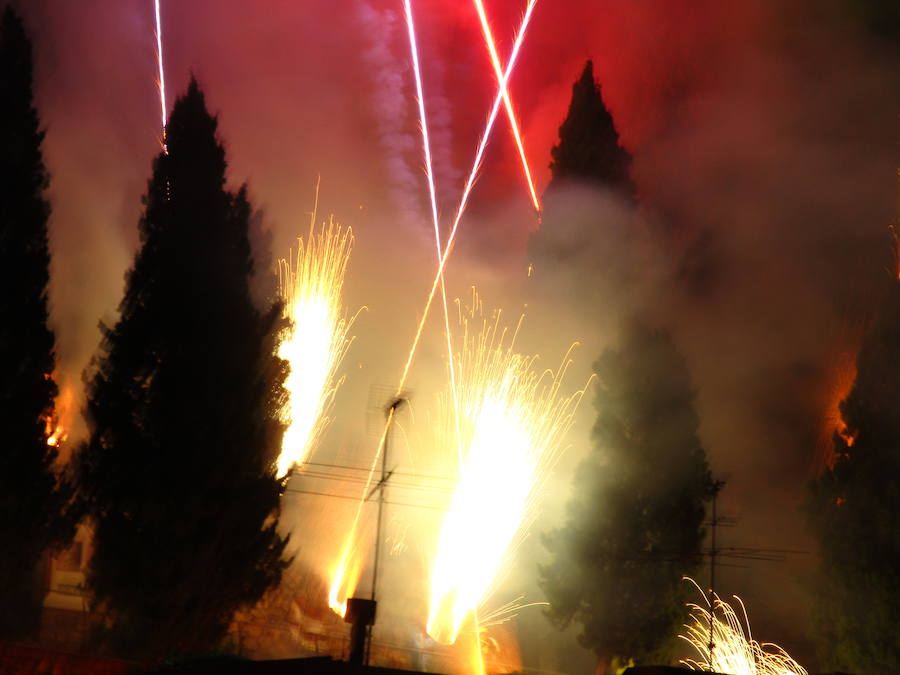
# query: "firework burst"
{"type": "Point", "coordinates": [733, 651]}
{"type": "Point", "coordinates": [512, 424]}
{"type": "Point", "coordinates": [318, 337]}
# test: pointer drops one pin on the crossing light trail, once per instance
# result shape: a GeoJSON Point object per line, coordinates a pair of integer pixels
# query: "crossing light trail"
{"type": "Point", "coordinates": [346, 568]}
{"type": "Point", "coordinates": [510, 113]}
{"type": "Point", "coordinates": [470, 182]}
{"type": "Point", "coordinates": [161, 77]}
{"type": "Point", "coordinates": [429, 172]}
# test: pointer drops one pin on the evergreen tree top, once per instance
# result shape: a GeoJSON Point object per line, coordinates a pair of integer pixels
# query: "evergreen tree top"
{"type": "Point", "coordinates": [191, 136]}
{"type": "Point", "coordinates": [588, 148]}
{"type": "Point", "coordinates": [21, 166]}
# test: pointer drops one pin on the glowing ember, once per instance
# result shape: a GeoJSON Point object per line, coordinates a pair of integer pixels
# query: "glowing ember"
{"type": "Point", "coordinates": [512, 423]}
{"type": "Point", "coordinates": [56, 422]}
{"type": "Point", "coordinates": [54, 431]}
{"type": "Point", "coordinates": [317, 339]}
{"type": "Point", "coordinates": [161, 78]}
{"type": "Point", "coordinates": [843, 379]}
{"type": "Point", "coordinates": [734, 651]}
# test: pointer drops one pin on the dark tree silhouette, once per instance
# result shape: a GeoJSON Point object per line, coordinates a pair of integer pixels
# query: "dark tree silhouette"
{"type": "Point", "coordinates": [33, 501]}
{"type": "Point", "coordinates": [184, 410]}
{"type": "Point", "coordinates": [588, 150]}
{"type": "Point", "coordinates": [635, 523]}
{"type": "Point", "coordinates": [853, 512]}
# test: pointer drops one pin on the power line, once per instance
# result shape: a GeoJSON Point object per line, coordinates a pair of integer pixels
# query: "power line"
{"type": "Point", "coordinates": [321, 475]}
{"type": "Point", "coordinates": [356, 499]}
{"type": "Point", "coordinates": [367, 470]}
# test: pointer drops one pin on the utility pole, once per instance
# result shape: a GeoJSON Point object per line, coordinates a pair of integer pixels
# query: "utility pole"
{"type": "Point", "coordinates": [713, 551]}
{"type": "Point", "coordinates": [382, 484]}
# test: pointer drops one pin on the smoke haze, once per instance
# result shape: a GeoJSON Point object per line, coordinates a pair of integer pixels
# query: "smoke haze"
{"type": "Point", "coordinates": [763, 137]}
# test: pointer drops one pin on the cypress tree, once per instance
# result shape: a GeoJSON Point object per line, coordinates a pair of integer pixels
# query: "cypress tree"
{"type": "Point", "coordinates": [853, 512]}
{"type": "Point", "coordinates": [34, 515]}
{"type": "Point", "coordinates": [589, 194]}
{"type": "Point", "coordinates": [184, 408]}
{"type": "Point", "coordinates": [589, 150]}
{"type": "Point", "coordinates": [635, 522]}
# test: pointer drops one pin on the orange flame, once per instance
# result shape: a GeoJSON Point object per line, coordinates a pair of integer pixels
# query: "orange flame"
{"type": "Point", "coordinates": [833, 423]}
{"type": "Point", "coordinates": [57, 421]}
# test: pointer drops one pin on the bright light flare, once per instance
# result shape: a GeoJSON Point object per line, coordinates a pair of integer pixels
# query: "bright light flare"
{"type": "Point", "coordinates": [507, 103]}
{"type": "Point", "coordinates": [734, 651]}
{"type": "Point", "coordinates": [512, 420]}
{"type": "Point", "coordinates": [317, 340]}
{"type": "Point", "coordinates": [161, 77]}
{"type": "Point", "coordinates": [348, 570]}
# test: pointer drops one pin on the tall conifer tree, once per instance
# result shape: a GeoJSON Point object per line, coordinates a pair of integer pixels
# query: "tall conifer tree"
{"type": "Point", "coordinates": [184, 410]}
{"type": "Point", "coordinates": [853, 512]}
{"type": "Point", "coordinates": [589, 191]}
{"type": "Point", "coordinates": [589, 150]}
{"type": "Point", "coordinates": [635, 522]}
{"type": "Point", "coordinates": [33, 502]}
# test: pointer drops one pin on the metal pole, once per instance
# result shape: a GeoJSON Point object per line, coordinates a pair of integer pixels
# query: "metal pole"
{"type": "Point", "coordinates": [384, 453]}
{"type": "Point", "coordinates": [717, 486]}
{"type": "Point", "coordinates": [712, 581]}
{"type": "Point", "coordinates": [382, 485]}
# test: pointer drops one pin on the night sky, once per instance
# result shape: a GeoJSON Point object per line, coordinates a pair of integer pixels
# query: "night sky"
{"type": "Point", "coordinates": [764, 144]}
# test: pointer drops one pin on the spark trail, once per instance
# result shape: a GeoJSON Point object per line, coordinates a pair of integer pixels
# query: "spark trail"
{"type": "Point", "coordinates": [510, 113]}
{"type": "Point", "coordinates": [513, 424]}
{"type": "Point", "coordinates": [161, 78]}
{"type": "Point", "coordinates": [341, 585]}
{"type": "Point", "coordinates": [734, 651]}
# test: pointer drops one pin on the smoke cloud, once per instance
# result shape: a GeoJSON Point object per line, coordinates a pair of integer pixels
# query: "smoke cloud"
{"type": "Point", "coordinates": [763, 138]}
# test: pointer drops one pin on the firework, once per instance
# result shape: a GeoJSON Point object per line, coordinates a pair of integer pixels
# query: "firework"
{"type": "Point", "coordinates": [161, 78]}
{"type": "Point", "coordinates": [513, 122]}
{"type": "Point", "coordinates": [734, 651]}
{"type": "Point", "coordinates": [470, 182]}
{"type": "Point", "coordinates": [513, 420]}
{"type": "Point", "coordinates": [340, 583]}
{"type": "Point", "coordinates": [317, 339]}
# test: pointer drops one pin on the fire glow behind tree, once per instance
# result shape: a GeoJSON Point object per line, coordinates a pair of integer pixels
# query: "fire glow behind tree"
{"type": "Point", "coordinates": [317, 339]}
{"type": "Point", "coordinates": [512, 423]}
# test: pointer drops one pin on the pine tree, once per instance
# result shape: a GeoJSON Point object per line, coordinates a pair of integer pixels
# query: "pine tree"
{"type": "Point", "coordinates": [184, 411]}
{"type": "Point", "coordinates": [589, 150]}
{"type": "Point", "coordinates": [635, 523]}
{"type": "Point", "coordinates": [853, 513]}
{"type": "Point", "coordinates": [34, 515]}
{"type": "Point", "coordinates": [588, 201]}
